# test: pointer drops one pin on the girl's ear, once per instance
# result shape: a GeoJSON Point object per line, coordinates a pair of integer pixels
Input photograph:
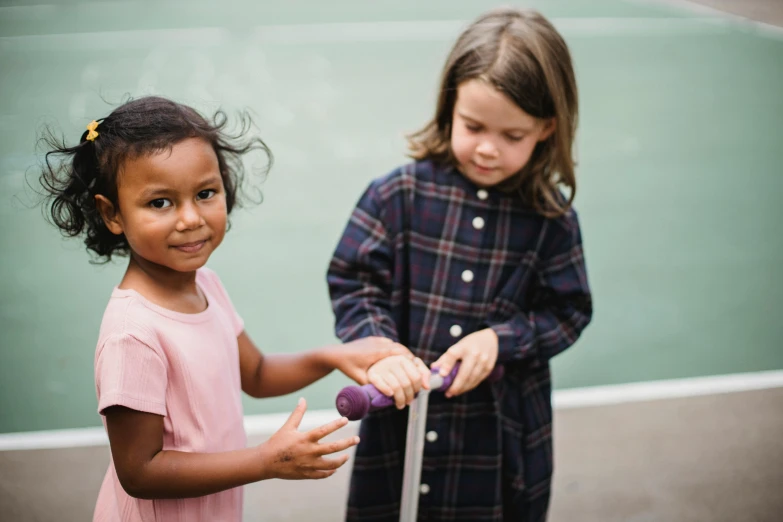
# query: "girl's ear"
{"type": "Point", "coordinates": [548, 129]}
{"type": "Point", "coordinates": [109, 214]}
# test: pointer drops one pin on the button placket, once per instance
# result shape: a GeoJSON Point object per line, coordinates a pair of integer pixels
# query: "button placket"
{"type": "Point", "coordinates": [478, 223]}
{"type": "Point", "coordinates": [468, 275]}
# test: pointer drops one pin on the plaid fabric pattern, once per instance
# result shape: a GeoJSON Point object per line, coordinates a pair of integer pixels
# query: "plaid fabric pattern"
{"type": "Point", "coordinates": [427, 258]}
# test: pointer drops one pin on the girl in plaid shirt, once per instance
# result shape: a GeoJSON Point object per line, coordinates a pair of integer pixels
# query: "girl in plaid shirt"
{"type": "Point", "coordinates": [472, 253]}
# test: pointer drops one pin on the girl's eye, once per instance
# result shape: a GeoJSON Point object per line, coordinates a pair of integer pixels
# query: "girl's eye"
{"type": "Point", "coordinates": [206, 194]}
{"type": "Point", "coordinates": [160, 203]}
{"type": "Point", "coordinates": [472, 128]}
{"type": "Point", "coordinates": [514, 138]}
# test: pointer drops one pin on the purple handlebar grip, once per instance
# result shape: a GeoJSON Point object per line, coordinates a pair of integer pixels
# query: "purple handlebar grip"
{"type": "Point", "coordinates": [495, 375]}
{"type": "Point", "coordinates": [355, 402]}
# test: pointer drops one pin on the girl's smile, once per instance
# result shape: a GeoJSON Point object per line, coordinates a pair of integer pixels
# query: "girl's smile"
{"type": "Point", "coordinates": [192, 247]}
{"type": "Point", "coordinates": [480, 169]}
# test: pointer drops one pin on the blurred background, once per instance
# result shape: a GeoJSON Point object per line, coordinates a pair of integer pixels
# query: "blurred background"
{"type": "Point", "coordinates": [670, 407]}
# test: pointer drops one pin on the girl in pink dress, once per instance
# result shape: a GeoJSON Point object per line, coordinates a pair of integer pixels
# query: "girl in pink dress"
{"type": "Point", "coordinates": [155, 181]}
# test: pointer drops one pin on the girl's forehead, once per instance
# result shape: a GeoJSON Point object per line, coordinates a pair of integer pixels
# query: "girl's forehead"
{"type": "Point", "coordinates": [480, 101]}
{"type": "Point", "coordinates": [186, 162]}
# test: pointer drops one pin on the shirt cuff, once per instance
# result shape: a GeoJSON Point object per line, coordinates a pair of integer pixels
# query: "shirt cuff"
{"type": "Point", "coordinates": [511, 337]}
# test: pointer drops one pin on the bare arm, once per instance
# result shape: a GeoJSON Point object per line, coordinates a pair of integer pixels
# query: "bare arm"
{"type": "Point", "coordinates": [147, 471]}
{"type": "Point", "coordinates": [279, 374]}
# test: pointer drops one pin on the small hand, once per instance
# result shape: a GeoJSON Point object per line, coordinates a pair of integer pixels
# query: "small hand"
{"type": "Point", "coordinates": [294, 455]}
{"type": "Point", "coordinates": [401, 377]}
{"type": "Point", "coordinates": [478, 353]}
{"type": "Point", "coordinates": [355, 358]}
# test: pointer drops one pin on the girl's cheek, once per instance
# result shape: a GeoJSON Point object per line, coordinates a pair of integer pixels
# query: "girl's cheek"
{"type": "Point", "coordinates": [461, 147]}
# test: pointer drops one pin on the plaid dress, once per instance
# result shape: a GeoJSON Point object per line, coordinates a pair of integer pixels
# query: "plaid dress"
{"type": "Point", "coordinates": [428, 257]}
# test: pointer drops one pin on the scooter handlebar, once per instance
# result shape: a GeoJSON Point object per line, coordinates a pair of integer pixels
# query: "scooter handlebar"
{"type": "Point", "coordinates": [355, 402]}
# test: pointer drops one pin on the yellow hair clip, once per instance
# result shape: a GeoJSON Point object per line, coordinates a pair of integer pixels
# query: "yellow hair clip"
{"type": "Point", "coordinates": [91, 127]}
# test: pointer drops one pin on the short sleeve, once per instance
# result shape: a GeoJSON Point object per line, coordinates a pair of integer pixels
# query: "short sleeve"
{"type": "Point", "coordinates": [212, 284]}
{"type": "Point", "coordinates": [130, 373]}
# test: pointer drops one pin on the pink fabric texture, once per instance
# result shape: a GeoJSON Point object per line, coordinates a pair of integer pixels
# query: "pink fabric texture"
{"type": "Point", "coordinates": [184, 367]}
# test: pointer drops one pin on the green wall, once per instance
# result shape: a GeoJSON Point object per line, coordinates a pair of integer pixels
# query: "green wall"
{"type": "Point", "coordinates": [679, 167]}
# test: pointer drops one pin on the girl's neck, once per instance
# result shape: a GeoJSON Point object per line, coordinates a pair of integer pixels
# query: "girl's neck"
{"type": "Point", "coordinates": [163, 286]}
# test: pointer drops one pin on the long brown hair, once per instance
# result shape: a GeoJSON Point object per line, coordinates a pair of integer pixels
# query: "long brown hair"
{"type": "Point", "coordinates": [522, 55]}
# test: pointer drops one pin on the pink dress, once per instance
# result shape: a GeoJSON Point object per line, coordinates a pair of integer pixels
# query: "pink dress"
{"type": "Point", "coordinates": [184, 367]}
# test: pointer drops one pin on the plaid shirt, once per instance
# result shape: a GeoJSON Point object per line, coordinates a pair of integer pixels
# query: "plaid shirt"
{"type": "Point", "coordinates": [427, 258]}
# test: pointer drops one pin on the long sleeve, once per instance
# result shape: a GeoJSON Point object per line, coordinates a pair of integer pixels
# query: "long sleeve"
{"type": "Point", "coordinates": [360, 274]}
{"type": "Point", "coordinates": [561, 306]}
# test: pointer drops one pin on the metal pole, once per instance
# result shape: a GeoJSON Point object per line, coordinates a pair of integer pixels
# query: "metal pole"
{"type": "Point", "coordinates": [414, 451]}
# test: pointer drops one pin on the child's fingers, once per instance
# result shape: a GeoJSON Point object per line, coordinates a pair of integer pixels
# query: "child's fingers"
{"type": "Point", "coordinates": [477, 374]}
{"type": "Point", "coordinates": [390, 386]}
{"type": "Point", "coordinates": [296, 416]}
{"type": "Point", "coordinates": [379, 382]}
{"type": "Point", "coordinates": [393, 350]}
{"type": "Point", "coordinates": [424, 373]}
{"type": "Point", "coordinates": [397, 392]}
{"type": "Point", "coordinates": [446, 362]}
{"type": "Point", "coordinates": [328, 448]}
{"type": "Point", "coordinates": [465, 369]}
{"type": "Point", "coordinates": [316, 475]}
{"type": "Point", "coordinates": [398, 349]}
{"type": "Point", "coordinates": [320, 432]}
{"type": "Point", "coordinates": [330, 464]}
{"type": "Point", "coordinates": [404, 379]}
{"type": "Point", "coordinates": [389, 348]}
{"type": "Point", "coordinates": [414, 375]}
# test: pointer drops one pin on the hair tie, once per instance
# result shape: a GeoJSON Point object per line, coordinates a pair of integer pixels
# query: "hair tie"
{"type": "Point", "coordinates": [93, 133]}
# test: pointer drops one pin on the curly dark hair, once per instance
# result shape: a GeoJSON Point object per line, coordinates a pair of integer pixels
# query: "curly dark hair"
{"type": "Point", "coordinates": [73, 176]}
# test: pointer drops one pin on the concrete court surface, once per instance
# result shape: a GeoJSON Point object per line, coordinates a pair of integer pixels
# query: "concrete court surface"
{"type": "Point", "coordinates": [766, 11]}
{"type": "Point", "coordinates": [701, 459]}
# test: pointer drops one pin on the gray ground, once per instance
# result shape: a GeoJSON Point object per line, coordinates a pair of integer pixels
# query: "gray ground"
{"type": "Point", "coordinates": [706, 459]}
{"type": "Point", "coordinates": [767, 11]}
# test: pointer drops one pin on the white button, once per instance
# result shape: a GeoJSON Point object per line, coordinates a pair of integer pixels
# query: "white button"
{"type": "Point", "coordinates": [467, 276]}
{"type": "Point", "coordinates": [482, 194]}
{"type": "Point", "coordinates": [478, 223]}
{"type": "Point", "coordinates": [455, 330]}
{"type": "Point", "coordinates": [432, 436]}
{"type": "Point", "coordinates": [424, 489]}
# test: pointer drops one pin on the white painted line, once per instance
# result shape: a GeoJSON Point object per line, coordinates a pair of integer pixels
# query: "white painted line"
{"type": "Point", "coordinates": [402, 31]}
{"type": "Point", "coordinates": [266, 425]}
{"type": "Point", "coordinates": [666, 389]}
{"type": "Point", "coordinates": [446, 30]}
{"type": "Point", "coordinates": [193, 38]}
{"type": "Point", "coordinates": [49, 439]}
{"type": "Point", "coordinates": [271, 422]}
{"type": "Point", "coordinates": [704, 10]}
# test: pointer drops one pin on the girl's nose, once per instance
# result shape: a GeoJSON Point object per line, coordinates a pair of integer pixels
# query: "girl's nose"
{"type": "Point", "coordinates": [189, 217]}
{"type": "Point", "coordinates": [487, 148]}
